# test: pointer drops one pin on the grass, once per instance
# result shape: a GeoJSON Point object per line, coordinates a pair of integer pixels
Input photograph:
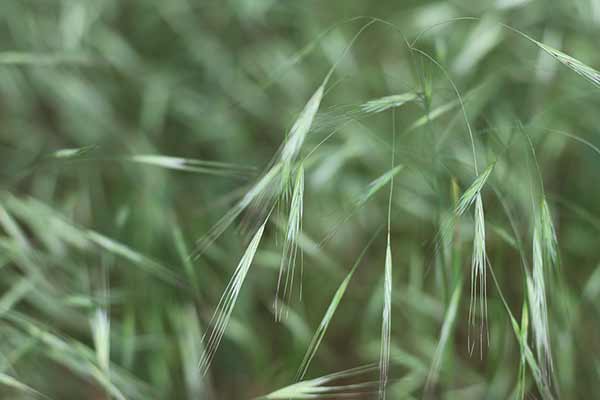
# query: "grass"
{"type": "Point", "coordinates": [316, 388]}
{"type": "Point", "coordinates": [290, 250]}
{"type": "Point", "coordinates": [221, 317]}
{"type": "Point", "coordinates": [323, 326]}
{"type": "Point", "coordinates": [193, 198]}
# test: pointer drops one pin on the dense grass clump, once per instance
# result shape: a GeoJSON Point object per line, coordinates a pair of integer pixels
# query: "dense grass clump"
{"type": "Point", "coordinates": [286, 200]}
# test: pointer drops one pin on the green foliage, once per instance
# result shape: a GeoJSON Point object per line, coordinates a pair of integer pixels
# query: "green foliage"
{"type": "Point", "coordinates": [184, 185]}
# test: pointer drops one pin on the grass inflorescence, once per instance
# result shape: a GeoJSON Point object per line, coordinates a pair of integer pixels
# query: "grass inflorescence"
{"type": "Point", "coordinates": [197, 200]}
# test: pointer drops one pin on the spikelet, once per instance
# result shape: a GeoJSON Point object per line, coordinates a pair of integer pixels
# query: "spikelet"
{"type": "Point", "coordinates": [285, 281]}
{"type": "Point", "coordinates": [220, 319]}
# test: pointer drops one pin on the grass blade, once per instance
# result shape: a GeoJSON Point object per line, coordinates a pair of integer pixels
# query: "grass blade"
{"type": "Point", "coordinates": [444, 337]}
{"type": "Point", "coordinates": [42, 60]}
{"type": "Point", "coordinates": [13, 383]}
{"type": "Point", "coordinates": [132, 255]}
{"type": "Point", "coordinates": [73, 153]}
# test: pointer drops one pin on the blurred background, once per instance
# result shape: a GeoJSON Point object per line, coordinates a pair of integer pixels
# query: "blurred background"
{"type": "Point", "coordinates": [129, 128]}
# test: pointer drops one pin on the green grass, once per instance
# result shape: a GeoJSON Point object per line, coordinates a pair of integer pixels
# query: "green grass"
{"type": "Point", "coordinates": [208, 200]}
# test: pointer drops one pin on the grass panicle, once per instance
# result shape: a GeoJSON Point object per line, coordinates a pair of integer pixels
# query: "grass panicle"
{"type": "Point", "coordinates": [479, 259]}
{"type": "Point", "coordinates": [124, 130]}
{"type": "Point", "coordinates": [297, 134]}
{"type": "Point", "coordinates": [262, 192]}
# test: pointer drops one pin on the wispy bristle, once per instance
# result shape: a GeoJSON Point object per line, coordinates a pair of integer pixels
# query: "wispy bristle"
{"type": "Point", "coordinates": [212, 338]}
{"type": "Point", "coordinates": [388, 102]}
{"type": "Point", "coordinates": [548, 233]}
{"type": "Point", "coordinates": [189, 340]}
{"type": "Point", "coordinates": [574, 64]}
{"type": "Point", "coordinates": [301, 127]}
{"type": "Point", "coordinates": [261, 190]}
{"type": "Point", "coordinates": [377, 184]}
{"type": "Point", "coordinates": [290, 247]}
{"type": "Point", "coordinates": [337, 116]}
{"type": "Point", "coordinates": [327, 317]}
{"type": "Point", "coordinates": [536, 289]}
{"type": "Point", "coordinates": [316, 388]}
{"type": "Point", "coordinates": [374, 186]}
{"type": "Point", "coordinates": [386, 323]}
{"type": "Point", "coordinates": [464, 203]}
{"type": "Point", "coordinates": [447, 326]}
{"type": "Point", "coordinates": [191, 165]}
{"type": "Point", "coordinates": [470, 195]}
{"type": "Point", "coordinates": [434, 114]}
{"type": "Point", "coordinates": [478, 275]}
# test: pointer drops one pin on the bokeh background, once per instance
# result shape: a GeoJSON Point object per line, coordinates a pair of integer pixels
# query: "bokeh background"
{"type": "Point", "coordinates": [98, 295]}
